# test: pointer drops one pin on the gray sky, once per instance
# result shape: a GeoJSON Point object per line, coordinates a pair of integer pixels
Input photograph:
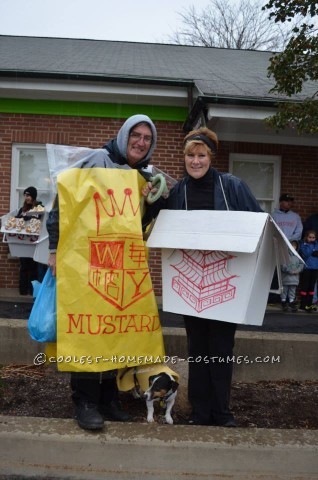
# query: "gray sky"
{"type": "Point", "coordinates": [126, 20]}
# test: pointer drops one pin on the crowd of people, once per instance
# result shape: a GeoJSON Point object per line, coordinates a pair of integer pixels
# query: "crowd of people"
{"type": "Point", "coordinates": [95, 395]}
{"type": "Point", "coordinates": [296, 274]}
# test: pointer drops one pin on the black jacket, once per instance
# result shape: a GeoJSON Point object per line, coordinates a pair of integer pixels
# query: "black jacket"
{"type": "Point", "coordinates": [230, 193]}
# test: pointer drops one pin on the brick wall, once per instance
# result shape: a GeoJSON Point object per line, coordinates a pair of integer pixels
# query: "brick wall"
{"type": "Point", "coordinates": [299, 164]}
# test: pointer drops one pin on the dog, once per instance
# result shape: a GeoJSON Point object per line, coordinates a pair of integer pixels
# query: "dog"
{"type": "Point", "coordinates": [156, 382]}
{"type": "Point", "coordinates": [162, 387]}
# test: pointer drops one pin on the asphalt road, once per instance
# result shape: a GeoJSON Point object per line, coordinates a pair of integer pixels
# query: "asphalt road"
{"type": "Point", "coordinates": [274, 321]}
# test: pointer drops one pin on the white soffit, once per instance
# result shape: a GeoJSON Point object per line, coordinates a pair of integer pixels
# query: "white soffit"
{"type": "Point", "coordinates": [246, 124]}
{"type": "Point", "coordinates": [240, 112]}
{"type": "Point", "coordinates": [86, 91]}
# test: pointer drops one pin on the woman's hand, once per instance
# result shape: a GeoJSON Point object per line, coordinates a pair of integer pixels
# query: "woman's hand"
{"type": "Point", "coordinates": [52, 263]}
{"type": "Point", "coordinates": [158, 186]}
{"type": "Point", "coordinates": [148, 188]}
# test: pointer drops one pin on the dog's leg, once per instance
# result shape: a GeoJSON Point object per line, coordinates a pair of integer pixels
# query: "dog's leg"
{"type": "Point", "coordinates": [170, 403]}
{"type": "Point", "coordinates": [150, 411]}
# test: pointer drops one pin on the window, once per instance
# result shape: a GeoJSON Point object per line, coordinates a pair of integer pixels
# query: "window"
{"type": "Point", "coordinates": [262, 174]}
{"type": "Point", "coordinates": [29, 168]}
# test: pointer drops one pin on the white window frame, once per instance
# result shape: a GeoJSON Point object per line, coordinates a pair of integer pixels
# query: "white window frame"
{"type": "Point", "coordinates": [15, 167]}
{"type": "Point", "coordinates": [275, 160]}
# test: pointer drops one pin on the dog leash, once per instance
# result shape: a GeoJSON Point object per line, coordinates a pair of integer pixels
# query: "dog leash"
{"type": "Point", "coordinates": [137, 385]}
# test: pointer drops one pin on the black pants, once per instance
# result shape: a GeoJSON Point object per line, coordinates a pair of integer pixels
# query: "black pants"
{"type": "Point", "coordinates": [274, 297]}
{"type": "Point", "coordinates": [308, 278]}
{"type": "Point", "coordinates": [209, 386]}
{"type": "Point", "coordinates": [28, 273]}
{"type": "Point", "coordinates": [97, 388]}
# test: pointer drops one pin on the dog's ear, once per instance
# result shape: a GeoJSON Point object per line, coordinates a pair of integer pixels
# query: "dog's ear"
{"type": "Point", "coordinates": [151, 379]}
{"type": "Point", "coordinates": [175, 385]}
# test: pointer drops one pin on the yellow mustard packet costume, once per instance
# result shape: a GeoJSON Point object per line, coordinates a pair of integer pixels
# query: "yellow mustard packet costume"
{"type": "Point", "coordinates": [129, 378]}
{"type": "Point", "coordinates": [107, 316]}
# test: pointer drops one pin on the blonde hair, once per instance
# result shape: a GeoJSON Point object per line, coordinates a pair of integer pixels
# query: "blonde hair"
{"type": "Point", "coordinates": [201, 136]}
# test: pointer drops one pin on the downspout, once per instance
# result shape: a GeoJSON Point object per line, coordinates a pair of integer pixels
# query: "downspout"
{"type": "Point", "coordinates": [190, 98]}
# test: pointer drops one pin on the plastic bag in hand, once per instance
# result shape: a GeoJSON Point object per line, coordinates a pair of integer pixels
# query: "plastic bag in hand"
{"type": "Point", "coordinates": [42, 320]}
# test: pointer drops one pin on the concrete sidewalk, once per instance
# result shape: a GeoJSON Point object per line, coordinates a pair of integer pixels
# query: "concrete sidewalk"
{"type": "Point", "coordinates": [45, 449]}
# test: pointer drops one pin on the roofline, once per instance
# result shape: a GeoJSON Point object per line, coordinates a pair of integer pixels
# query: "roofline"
{"type": "Point", "coordinates": [97, 77]}
{"type": "Point", "coordinates": [164, 44]}
{"type": "Point", "coordinates": [200, 106]}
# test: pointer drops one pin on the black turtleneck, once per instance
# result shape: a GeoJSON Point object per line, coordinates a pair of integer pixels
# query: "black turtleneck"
{"type": "Point", "coordinates": [200, 192]}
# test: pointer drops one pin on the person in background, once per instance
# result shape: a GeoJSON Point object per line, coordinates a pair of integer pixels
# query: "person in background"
{"type": "Point", "coordinates": [28, 267]}
{"type": "Point", "coordinates": [204, 188]}
{"type": "Point", "coordinates": [95, 395]}
{"type": "Point", "coordinates": [311, 223]}
{"type": "Point", "coordinates": [288, 221]}
{"type": "Point", "coordinates": [290, 280]}
{"type": "Point", "coordinates": [291, 225]}
{"type": "Point", "coordinates": [309, 252]}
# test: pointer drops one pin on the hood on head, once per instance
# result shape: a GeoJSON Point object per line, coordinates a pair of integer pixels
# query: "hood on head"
{"type": "Point", "coordinates": [123, 137]}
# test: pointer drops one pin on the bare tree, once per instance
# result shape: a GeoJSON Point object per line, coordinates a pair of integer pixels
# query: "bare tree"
{"type": "Point", "coordinates": [229, 24]}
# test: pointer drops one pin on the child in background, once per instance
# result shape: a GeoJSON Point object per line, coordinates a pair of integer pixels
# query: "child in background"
{"type": "Point", "coordinates": [290, 280]}
{"type": "Point", "coordinates": [309, 252]}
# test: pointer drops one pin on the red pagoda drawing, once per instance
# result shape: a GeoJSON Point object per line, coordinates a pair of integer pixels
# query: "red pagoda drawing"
{"type": "Point", "coordinates": [203, 280]}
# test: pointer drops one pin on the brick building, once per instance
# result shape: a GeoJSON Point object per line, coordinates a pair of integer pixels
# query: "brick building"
{"type": "Point", "coordinates": [79, 92]}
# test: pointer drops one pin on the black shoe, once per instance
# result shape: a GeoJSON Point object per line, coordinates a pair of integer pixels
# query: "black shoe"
{"type": "Point", "coordinates": [293, 306]}
{"type": "Point", "coordinates": [229, 424]}
{"type": "Point", "coordinates": [88, 416]}
{"type": "Point", "coordinates": [284, 306]}
{"type": "Point", "coordinates": [196, 419]}
{"type": "Point", "coordinates": [192, 421]}
{"type": "Point", "coordinates": [113, 411]}
{"type": "Point", "coordinates": [308, 309]}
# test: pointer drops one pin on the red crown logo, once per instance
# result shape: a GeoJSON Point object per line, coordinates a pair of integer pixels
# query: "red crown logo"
{"type": "Point", "coordinates": [112, 206]}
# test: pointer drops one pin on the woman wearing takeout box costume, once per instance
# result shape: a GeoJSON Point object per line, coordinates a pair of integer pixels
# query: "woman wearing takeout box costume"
{"type": "Point", "coordinates": [100, 194]}
{"type": "Point", "coordinates": [204, 188]}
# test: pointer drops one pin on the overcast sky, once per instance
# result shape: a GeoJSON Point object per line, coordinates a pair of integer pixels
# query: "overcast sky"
{"type": "Point", "coordinates": [127, 20]}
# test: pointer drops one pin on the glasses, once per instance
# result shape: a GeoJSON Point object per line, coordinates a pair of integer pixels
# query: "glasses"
{"type": "Point", "coordinates": [138, 136]}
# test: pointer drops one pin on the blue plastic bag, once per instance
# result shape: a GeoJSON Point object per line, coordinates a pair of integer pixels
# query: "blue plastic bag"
{"type": "Point", "coordinates": [36, 287]}
{"type": "Point", "coordinates": [42, 320]}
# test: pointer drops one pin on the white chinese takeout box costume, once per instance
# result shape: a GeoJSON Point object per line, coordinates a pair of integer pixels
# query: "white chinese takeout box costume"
{"type": "Point", "coordinates": [218, 264]}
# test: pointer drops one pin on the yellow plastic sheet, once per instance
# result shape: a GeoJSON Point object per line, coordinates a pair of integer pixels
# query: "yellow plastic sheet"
{"type": "Point", "coordinates": [107, 316]}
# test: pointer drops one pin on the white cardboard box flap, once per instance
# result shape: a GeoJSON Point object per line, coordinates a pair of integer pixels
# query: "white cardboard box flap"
{"type": "Point", "coordinates": [208, 230]}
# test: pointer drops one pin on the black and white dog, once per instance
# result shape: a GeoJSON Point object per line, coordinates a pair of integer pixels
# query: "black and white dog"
{"type": "Point", "coordinates": [162, 387]}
